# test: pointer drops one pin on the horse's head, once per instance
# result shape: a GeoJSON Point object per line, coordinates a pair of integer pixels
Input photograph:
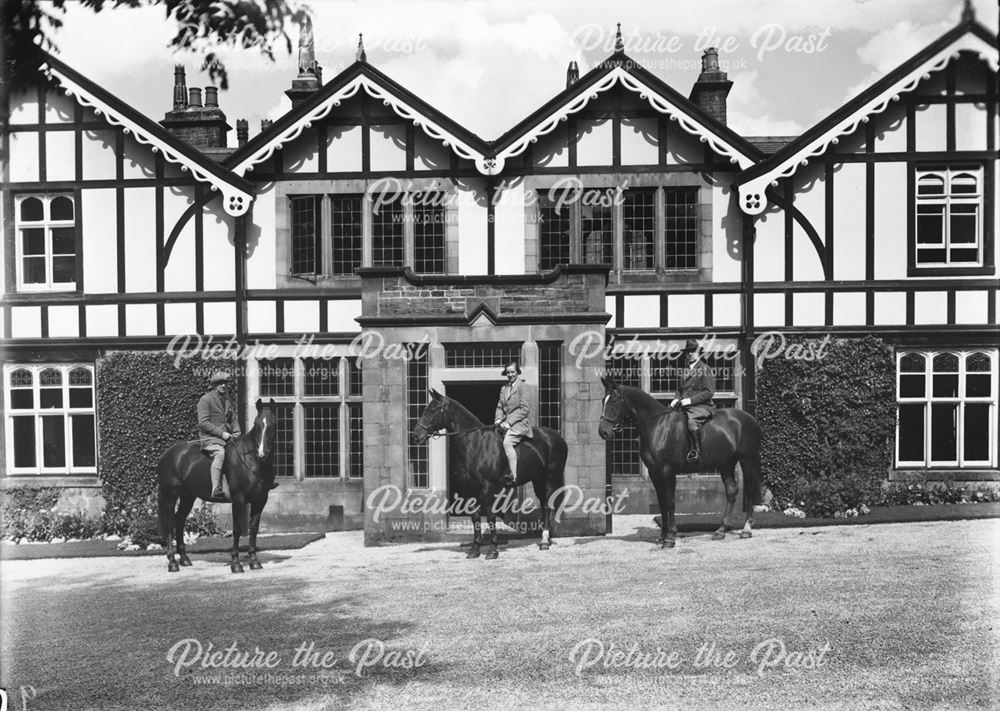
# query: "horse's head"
{"type": "Point", "coordinates": [434, 418]}
{"type": "Point", "coordinates": [265, 424]}
{"type": "Point", "coordinates": [615, 409]}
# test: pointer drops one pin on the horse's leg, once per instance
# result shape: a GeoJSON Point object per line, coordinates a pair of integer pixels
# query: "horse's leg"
{"type": "Point", "coordinates": [668, 521]}
{"type": "Point", "coordinates": [491, 519]}
{"type": "Point", "coordinates": [256, 507]}
{"type": "Point", "coordinates": [166, 501]}
{"type": "Point", "coordinates": [750, 467]}
{"type": "Point", "coordinates": [477, 533]}
{"type": "Point", "coordinates": [539, 485]}
{"type": "Point", "coordinates": [180, 518]}
{"type": "Point", "coordinates": [238, 517]}
{"type": "Point", "coordinates": [728, 472]}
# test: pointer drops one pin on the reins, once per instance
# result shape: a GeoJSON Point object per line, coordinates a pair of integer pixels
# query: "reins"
{"type": "Point", "coordinates": [436, 435]}
{"type": "Point", "coordinates": [617, 426]}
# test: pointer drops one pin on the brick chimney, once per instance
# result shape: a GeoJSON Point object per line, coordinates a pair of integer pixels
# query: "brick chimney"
{"type": "Point", "coordinates": [242, 132]}
{"type": "Point", "coordinates": [712, 87]}
{"type": "Point", "coordinates": [310, 77]}
{"type": "Point", "coordinates": [203, 127]}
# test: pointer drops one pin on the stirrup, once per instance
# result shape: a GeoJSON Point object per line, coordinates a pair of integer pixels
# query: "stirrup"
{"type": "Point", "coordinates": [694, 455]}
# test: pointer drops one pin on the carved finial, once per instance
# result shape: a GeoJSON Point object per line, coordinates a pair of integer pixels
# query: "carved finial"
{"type": "Point", "coordinates": [619, 43]}
{"type": "Point", "coordinates": [307, 48]}
{"type": "Point", "coordinates": [360, 56]}
{"type": "Point", "coordinates": [968, 12]}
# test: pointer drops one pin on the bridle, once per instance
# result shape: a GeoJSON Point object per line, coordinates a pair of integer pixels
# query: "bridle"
{"type": "Point", "coordinates": [617, 425]}
{"type": "Point", "coordinates": [241, 452]}
{"type": "Point", "coordinates": [438, 433]}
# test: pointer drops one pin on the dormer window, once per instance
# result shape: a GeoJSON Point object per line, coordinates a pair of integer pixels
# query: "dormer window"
{"type": "Point", "coordinates": [949, 219]}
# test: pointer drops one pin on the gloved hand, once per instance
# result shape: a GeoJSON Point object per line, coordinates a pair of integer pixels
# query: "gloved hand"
{"type": "Point", "coordinates": [673, 403]}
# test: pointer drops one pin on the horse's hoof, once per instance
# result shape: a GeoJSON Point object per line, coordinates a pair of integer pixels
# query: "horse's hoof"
{"type": "Point", "coordinates": [669, 543]}
{"type": "Point", "coordinates": [718, 536]}
{"type": "Point", "coordinates": [184, 560]}
{"type": "Point", "coordinates": [543, 546]}
{"type": "Point", "coordinates": [236, 567]}
{"type": "Point", "coordinates": [493, 554]}
{"type": "Point", "coordinates": [746, 534]}
{"type": "Point", "coordinates": [255, 565]}
{"type": "Point", "coordinates": [172, 567]}
{"type": "Point", "coordinates": [473, 553]}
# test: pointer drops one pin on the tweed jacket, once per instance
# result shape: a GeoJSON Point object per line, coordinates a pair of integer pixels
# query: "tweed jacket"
{"type": "Point", "coordinates": [514, 408]}
{"type": "Point", "coordinates": [698, 383]}
{"type": "Point", "coordinates": [215, 416]}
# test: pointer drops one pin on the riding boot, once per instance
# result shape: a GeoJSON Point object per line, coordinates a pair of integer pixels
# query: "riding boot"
{"type": "Point", "coordinates": [695, 440]}
{"type": "Point", "coordinates": [511, 478]}
{"type": "Point", "coordinates": [217, 492]}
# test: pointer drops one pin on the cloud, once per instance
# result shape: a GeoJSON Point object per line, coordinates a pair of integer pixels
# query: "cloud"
{"type": "Point", "coordinates": [750, 114]}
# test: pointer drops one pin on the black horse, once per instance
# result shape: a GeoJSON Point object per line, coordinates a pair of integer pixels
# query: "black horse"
{"type": "Point", "coordinates": [184, 473]}
{"type": "Point", "coordinates": [731, 436]}
{"type": "Point", "coordinates": [477, 464]}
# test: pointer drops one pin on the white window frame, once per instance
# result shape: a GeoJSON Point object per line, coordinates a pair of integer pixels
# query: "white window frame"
{"type": "Point", "coordinates": [38, 412]}
{"type": "Point", "coordinates": [47, 224]}
{"type": "Point", "coordinates": [928, 399]}
{"type": "Point", "coordinates": [343, 400]}
{"type": "Point", "coordinates": [949, 199]}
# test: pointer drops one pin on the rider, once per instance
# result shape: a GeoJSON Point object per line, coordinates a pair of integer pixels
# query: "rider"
{"type": "Point", "coordinates": [694, 394]}
{"type": "Point", "coordinates": [216, 424]}
{"type": "Point", "coordinates": [512, 416]}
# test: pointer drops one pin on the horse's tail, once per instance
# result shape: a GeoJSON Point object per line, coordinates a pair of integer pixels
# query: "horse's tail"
{"type": "Point", "coordinates": [753, 481]}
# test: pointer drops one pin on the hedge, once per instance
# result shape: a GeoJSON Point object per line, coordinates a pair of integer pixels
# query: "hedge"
{"type": "Point", "coordinates": [146, 404]}
{"type": "Point", "coordinates": [828, 425]}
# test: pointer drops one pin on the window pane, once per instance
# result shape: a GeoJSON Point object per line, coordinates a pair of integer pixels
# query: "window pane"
{"type": "Point", "coordinates": [62, 208]}
{"type": "Point", "coordinates": [354, 376]}
{"type": "Point", "coordinates": [322, 440]}
{"type": "Point", "coordinates": [80, 376]}
{"type": "Point", "coordinates": [930, 229]}
{"type": "Point", "coordinates": [945, 363]}
{"type": "Point", "coordinates": [277, 377]}
{"type": "Point", "coordinates": [50, 397]}
{"type": "Point", "coordinates": [963, 229]}
{"type": "Point", "coordinates": [33, 242]}
{"type": "Point", "coordinates": [83, 441]}
{"type": "Point", "coordinates": [387, 232]}
{"type": "Point", "coordinates": [553, 233]}
{"type": "Point", "coordinates": [976, 439]}
{"type": "Point", "coordinates": [63, 240]}
{"type": "Point", "coordinates": [930, 185]}
{"type": "Point", "coordinates": [976, 363]}
{"type": "Point", "coordinates": [63, 270]}
{"type": "Point", "coordinates": [81, 397]}
{"type": "Point", "coordinates": [961, 256]}
{"type": "Point", "coordinates": [428, 233]}
{"type": "Point", "coordinates": [911, 433]}
{"type": "Point", "coordinates": [964, 183]}
{"type": "Point", "coordinates": [681, 228]}
{"type": "Point", "coordinates": [930, 256]}
{"type": "Point", "coordinates": [912, 363]}
{"type": "Point", "coordinates": [22, 399]}
{"type": "Point", "coordinates": [597, 226]}
{"type": "Point", "coordinates": [305, 235]}
{"type": "Point", "coordinates": [944, 438]}
{"type": "Point", "coordinates": [34, 270]}
{"type": "Point", "coordinates": [345, 232]}
{"type": "Point", "coordinates": [320, 376]}
{"type": "Point", "coordinates": [284, 439]}
{"type": "Point", "coordinates": [24, 441]}
{"type": "Point", "coordinates": [912, 386]}
{"type": "Point", "coordinates": [945, 385]}
{"type": "Point", "coordinates": [639, 222]}
{"type": "Point", "coordinates": [53, 441]}
{"type": "Point", "coordinates": [356, 458]}
{"type": "Point", "coordinates": [978, 385]}
{"type": "Point", "coordinates": [32, 210]}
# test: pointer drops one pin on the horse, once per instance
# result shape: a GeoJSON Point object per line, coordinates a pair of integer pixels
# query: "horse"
{"type": "Point", "coordinates": [184, 474]}
{"type": "Point", "coordinates": [731, 436]}
{"type": "Point", "coordinates": [477, 464]}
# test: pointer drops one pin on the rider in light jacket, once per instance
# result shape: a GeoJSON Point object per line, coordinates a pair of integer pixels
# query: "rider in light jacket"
{"type": "Point", "coordinates": [513, 415]}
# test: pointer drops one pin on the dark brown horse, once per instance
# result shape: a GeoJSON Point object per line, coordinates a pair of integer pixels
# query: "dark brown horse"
{"type": "Point", "coordinates": [184, 473]}
{"type": "Point", "coordinates": [477, 464]}
{"type": "Point", "coordinates": [731, 436]}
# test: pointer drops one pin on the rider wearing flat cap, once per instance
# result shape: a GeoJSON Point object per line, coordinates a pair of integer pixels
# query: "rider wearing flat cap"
{"type": "Point", "coordinates": [216, 419]}
{"type": "Point", "coordinates": [694, 394]}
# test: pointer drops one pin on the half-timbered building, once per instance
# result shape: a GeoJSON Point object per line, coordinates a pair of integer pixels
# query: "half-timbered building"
{"type": "Point", "coordinates": [380, 248]}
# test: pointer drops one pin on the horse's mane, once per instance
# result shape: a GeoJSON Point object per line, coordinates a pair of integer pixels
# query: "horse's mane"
{"type": "Point", "coordinates": [637, 396]}
{"type": "Point", "coordinates": [461, 410]}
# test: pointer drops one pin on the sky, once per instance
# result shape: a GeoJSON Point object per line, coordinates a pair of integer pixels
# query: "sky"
{"type": "Point", "coordinates": [487, 65]}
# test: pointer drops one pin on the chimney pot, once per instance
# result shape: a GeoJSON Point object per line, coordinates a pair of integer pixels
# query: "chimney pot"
{"type": "Point", "coordinates": [180, 92]}
{"type": "Point", "coordinates": [212, 96]}
{"type": "Point", "coordinates": [265, 124]}
{"type": "Point", "coordinates": [712, 87]}
{"type": "Point", "coordinates": [195, 97]}
{"type": "Point", "coordinates": [242, 131]}
{"type": "Point", "coordinates": [572, 74]}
